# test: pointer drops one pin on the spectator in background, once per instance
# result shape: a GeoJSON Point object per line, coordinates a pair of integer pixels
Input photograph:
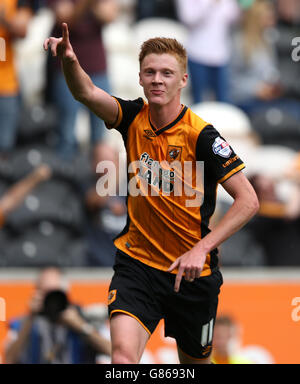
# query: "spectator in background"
{"type": "Point", "coordinates": [271, 238]}
{"type": "Point", "coordinates": [209, 23]}
{"type": "Point", "coordinates": [15, 16]}
{"type": "Point", "coordinates": [276, 226]}
{"type": "Point", "coordinates": [17, 193]}
{"type": "Point", "coordinates": [225, 340]}
{"type": "Point", "coordinates": [270, 204]}
{"type": "Point", "coordinates": [293, 172]}
{"type": "Point", "coordinates": [155, 8]}
{"type": "Point", "coordinates": [107, 214]}
{"type": "Point", "coordinates": [255, 76]}
{"type": "Point", "coordinates": [42, 338]}
{"type": "Point", "coordinates": [86, 19]}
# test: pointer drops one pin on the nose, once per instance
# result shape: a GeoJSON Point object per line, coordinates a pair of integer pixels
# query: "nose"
{"type": "Point", "coordinates": [157, 78]}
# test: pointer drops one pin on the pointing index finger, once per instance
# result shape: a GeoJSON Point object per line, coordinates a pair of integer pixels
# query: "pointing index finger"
{"type": "Point", "coordinates": [65, 32]}
{"type": "Point", "coordinates": [178, 279]}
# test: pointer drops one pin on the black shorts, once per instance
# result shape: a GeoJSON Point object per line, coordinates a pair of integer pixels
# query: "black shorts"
{"type": "Point", "coordinates": [147, 294]}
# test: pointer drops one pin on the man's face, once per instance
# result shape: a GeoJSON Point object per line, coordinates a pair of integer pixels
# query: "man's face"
{"type": "Point", "coordinates": [49, 280]}
{"type": "Point", "coordinates": [162, 78]}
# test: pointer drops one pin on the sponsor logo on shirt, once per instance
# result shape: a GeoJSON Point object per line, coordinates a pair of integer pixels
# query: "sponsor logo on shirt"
{"type": "Point", "coordinates": [230, 161]}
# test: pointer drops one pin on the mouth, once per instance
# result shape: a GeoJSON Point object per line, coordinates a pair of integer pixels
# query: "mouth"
{"type": "Point", "coordinates": [157, 92]}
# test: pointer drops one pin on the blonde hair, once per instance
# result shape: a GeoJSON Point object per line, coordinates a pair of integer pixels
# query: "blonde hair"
{"type": "Point", "coordinates": [161, 45]}
{"type": "Point", "coordinates": [252, 31]}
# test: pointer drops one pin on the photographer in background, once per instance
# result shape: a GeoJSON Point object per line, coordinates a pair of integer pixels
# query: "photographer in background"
{"type": "Point", "coordinates": [54, 331]}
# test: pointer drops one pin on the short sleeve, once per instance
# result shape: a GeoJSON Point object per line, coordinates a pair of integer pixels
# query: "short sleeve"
{"type": "Point", "coordinates": [220, 160]}
{"type": "Point", "coordinates": [128, 110]}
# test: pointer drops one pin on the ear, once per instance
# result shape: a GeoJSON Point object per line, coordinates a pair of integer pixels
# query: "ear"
{"type": "Point", "coordinates": [140, 80]}
{"type": "Point", "coordinates": [184, 80]}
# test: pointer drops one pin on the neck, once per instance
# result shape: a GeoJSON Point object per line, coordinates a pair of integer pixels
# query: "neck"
{"type": "Point", "coordinates": [162, 115]}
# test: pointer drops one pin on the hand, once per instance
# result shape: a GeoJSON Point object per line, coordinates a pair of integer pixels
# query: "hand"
{"type": "Point", "coordinates": [36, 303]}
{"type": "Point", "coordinates": [61, 47]}
{"type": "Point", "coordinates": [191, 263]}
{"type": "Point", "coordinates": [71, 318]}
{"type": "Point", "coordinates": [43, 172]}
{"type": "Point", "coordinates": [269, 92]}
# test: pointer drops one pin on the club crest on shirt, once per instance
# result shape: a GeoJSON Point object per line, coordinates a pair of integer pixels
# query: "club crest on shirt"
{"type": "Point", "coordinates": [112, 296]}
{"type": "Point", "coordinates": [221, 148]}
{"type": "Point", "coordinates": [174, 153]}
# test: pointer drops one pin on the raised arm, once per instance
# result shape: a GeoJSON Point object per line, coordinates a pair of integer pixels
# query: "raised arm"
{"type": "Point", "coordinates": [78, 81]}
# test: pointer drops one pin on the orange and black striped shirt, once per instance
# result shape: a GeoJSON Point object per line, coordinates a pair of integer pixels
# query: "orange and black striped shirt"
{"type": "Point", "coordinates": [163, 223]}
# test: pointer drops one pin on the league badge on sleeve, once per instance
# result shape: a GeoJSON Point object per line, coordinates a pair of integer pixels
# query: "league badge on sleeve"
{"type": "Point", "coordinates": [222, 148]}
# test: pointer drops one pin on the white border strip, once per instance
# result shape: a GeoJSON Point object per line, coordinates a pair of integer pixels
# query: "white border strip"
{"type": "Point", "coordinates": [255, 275]}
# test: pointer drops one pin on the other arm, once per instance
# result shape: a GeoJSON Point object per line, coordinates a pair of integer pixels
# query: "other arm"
{"type": "Point", "coordinates": [242, 210]}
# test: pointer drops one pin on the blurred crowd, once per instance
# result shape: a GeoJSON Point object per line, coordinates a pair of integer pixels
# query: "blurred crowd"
{"type": "Point", "coordinates": [240, 54]}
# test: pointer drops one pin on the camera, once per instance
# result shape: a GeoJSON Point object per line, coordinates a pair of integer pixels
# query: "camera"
{"type": "Point", "coordinates": [54, 303]}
